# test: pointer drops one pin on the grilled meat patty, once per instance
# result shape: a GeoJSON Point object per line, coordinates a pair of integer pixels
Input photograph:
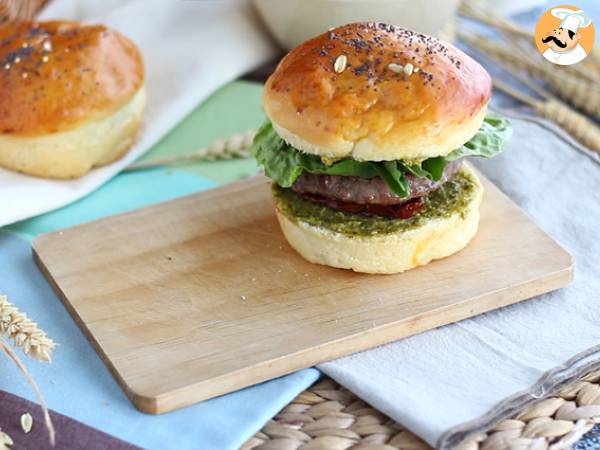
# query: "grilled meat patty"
{"type": "Point", "coordinates": [403, 211]}
{"type": "Point", "coordinates": [364, 191]}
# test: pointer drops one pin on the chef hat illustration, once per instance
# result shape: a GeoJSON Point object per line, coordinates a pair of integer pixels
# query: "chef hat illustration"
{"type": "Point", "coordinates": [571, 20]}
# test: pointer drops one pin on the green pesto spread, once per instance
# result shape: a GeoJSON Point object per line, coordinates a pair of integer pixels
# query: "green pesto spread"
{"type": "Point", "coordinates": [452, 197]}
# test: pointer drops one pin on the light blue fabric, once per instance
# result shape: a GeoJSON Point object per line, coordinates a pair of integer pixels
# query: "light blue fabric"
{"type": "Point", "coordinates": [77, 384]}
{"type": "Point", "coordinates": [127, 191]}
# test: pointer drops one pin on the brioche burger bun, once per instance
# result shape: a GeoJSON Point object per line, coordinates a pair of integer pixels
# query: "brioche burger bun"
{"type": "Point", "coordinates": [72, 97]}
{"type": "Point", "coordinates": [369, 125]}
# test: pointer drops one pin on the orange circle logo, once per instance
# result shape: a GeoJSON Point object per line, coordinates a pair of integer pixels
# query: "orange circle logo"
{"type": "Point", "coordinates": [564, 35]}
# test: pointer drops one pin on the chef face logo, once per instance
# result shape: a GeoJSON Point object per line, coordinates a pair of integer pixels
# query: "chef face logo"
{"type": "Point", "coordinates": [561, 40]}
{"type": "Point", "coordinates": [564, 35]}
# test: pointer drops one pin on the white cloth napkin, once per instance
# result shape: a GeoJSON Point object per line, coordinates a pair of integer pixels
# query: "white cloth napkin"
{"type": "Point", "coordinates": [461, 378]}
{"type": "Point", "coordinates": [190, 49]}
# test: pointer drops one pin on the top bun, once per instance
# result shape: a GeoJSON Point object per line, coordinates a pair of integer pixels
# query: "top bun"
{"type": "Point", "coordinates": [56, 76]}
{"type": "Point", "coordinates": [372, 106]}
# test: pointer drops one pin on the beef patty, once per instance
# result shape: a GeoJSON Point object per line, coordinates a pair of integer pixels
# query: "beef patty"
{"type": "Point", "coordinates": [403, 211]}
{"type": "Point", "coordinates": [363, 191]}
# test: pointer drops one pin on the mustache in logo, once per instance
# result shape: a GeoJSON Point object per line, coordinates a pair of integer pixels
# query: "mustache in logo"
{"type": "Point", "coordinates": [557, 41]}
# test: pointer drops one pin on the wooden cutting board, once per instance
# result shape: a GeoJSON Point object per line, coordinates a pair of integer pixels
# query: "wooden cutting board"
{"type": "Point", "coordinates": [200, 296]}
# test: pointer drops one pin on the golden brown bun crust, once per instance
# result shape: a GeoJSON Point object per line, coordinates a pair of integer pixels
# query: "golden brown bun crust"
{"type": "Point", "coordinates": [57, 75]}
{"type": "Point", "coordinates": [369, 111]}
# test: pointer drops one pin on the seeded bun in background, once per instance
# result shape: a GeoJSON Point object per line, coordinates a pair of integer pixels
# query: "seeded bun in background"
{"type": "Point", "coordinates": [330, 96]}
{"type": "Point", "coordinates": [71, 97]}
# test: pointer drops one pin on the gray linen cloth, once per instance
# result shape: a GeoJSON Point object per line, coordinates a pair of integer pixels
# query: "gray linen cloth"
{"type": "Point", "coordinates": [461, 378]}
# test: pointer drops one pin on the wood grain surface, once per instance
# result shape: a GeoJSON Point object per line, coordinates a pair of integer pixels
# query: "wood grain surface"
{"type": "Point", "coordinates": [200, 296]}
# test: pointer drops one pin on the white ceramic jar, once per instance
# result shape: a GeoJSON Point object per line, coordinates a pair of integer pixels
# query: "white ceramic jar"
{"type": "Point", "coordinates": [294, 21]}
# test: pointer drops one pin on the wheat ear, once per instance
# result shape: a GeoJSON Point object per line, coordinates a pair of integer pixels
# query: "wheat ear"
{"type": "Point", "coordinates": [16, 11]}
{"type": "Point", "coordinates": [24, 332]}
{"type": "Point", "coordinates": [15, 358]}
{"type": "Point", "coordinates": [579, 126]}
{"type": "Point", "coordinates": [581, 93]}
{"type": "Point", "coordinates": [484, 12]}
{"type": "Point", "coordinates": [235, 146]}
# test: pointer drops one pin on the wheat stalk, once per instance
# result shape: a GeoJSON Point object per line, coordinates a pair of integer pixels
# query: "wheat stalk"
{"type": "Point", "coordinates": [594, 59]}
{"type": "Point", "coordinates": [580, 127]}
{"type": "Point", "coordinates": [534, 62]}
{"type": "Point", "coordinates": [8, 351]}
{"type": "Point", "coordinates": [236, 146]}
{"type": "Point", "coordinates": [483, 12]}
{"type": "Point", "coordinates": [581, 93]}
{"type": "Point", "coordinates": [18, 10]}
{"type": "Point", "coordinates": [24, 332]}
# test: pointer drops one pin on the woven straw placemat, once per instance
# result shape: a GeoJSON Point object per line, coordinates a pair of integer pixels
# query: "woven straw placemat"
{"type": "Point", "coordinates": [329, 417]}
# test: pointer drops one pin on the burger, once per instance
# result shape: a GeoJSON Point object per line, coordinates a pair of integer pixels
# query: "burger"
{"type": "Point", "coordinates": [369, 128]}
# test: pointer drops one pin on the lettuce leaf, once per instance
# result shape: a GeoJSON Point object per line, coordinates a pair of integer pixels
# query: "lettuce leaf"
{"type": "Point", "coordinates": [284, 164]}
{"type": "Point", "coordinates": [488, 141]}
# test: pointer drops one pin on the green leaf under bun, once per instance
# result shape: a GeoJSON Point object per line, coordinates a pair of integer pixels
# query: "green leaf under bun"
{"type": "Point", "coordinates": [284, 163]}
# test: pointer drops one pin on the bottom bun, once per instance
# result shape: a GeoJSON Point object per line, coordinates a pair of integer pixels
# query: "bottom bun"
{"type": "Point", "coordinates": [393, 252]}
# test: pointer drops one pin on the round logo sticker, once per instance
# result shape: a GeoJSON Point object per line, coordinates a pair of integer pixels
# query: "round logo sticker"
{"type": "Point", "coordinates": [564, 35]}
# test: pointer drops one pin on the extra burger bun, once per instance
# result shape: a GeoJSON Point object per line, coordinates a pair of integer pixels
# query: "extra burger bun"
{"type": "Point", "coordinates": [71, 97]}
{"type": "Point", "coordinates": [390, 253]}
{"type": "Point", "coordinates": [366, 110]}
